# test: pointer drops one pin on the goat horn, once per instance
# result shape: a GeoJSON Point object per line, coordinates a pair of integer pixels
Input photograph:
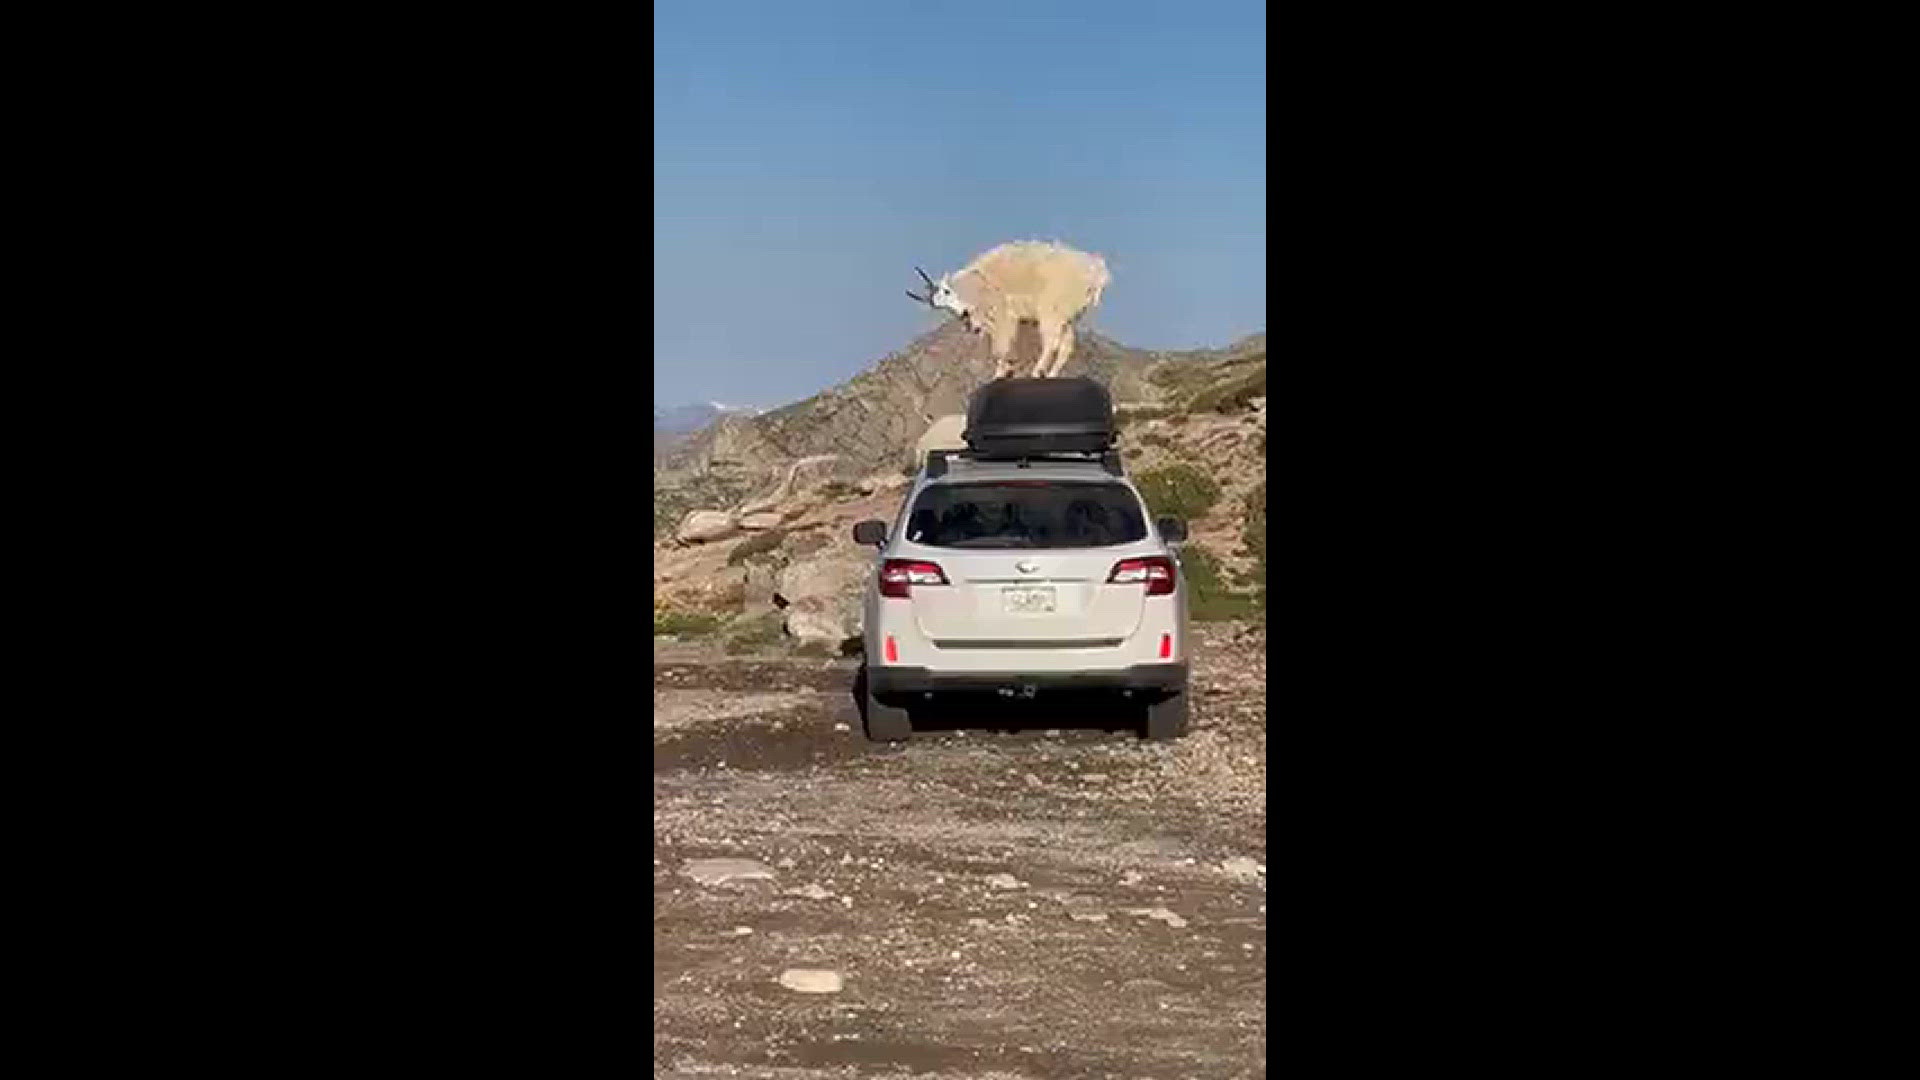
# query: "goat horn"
{"type": "Point", "coordinates": [918, 297]}
{"type": "Point", "coordinates": [924, 277]}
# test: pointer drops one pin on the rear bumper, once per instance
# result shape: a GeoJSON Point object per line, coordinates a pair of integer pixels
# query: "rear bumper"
{"type": "Point", "coordinates": [915, 680]}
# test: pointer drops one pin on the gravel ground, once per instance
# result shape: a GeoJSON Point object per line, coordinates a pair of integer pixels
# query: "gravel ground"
{"type": "Point", "coordinates": [1000, 899]}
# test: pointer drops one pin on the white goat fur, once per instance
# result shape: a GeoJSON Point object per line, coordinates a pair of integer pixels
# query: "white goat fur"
{"type": "Point", "coordinates": [1050, 283]}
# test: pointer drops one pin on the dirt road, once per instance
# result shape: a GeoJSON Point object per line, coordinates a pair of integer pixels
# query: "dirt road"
{"type": "Point", "coordinates": [1054, 901]}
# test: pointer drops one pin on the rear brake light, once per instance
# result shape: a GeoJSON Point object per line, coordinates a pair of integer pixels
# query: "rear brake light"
{"type": "Point", "coordinates": [893, 651]}
{"type": "Point", "coordinates": [1155, 570]}
{"type": "Point", "coordinates": [897, 574]}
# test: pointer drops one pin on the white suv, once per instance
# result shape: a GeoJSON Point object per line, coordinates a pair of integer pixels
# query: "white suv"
{"type": "Point", "coordinates": [1018, 577]}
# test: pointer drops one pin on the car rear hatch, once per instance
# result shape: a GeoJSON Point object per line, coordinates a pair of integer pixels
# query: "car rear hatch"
{"type": "Point", "coordinates": [1026, 563]}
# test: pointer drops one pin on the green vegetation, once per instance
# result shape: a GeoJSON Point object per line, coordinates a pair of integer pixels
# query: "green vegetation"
{"type": "Point", "coordinates": [1211, 385]}
{"type": "Point", "coordinates": [683, 623]}
{"type": "Point", "coordinates": [1154, 438]}
{"type": "Point", "coordinates": [1231, 394]}
{"type": "Point", "coordinates": [1253, 534]}
{"type": "Point", "coordinates": [1208, 597]}
{"type": "Point", "coordinates": [1180, 376]}
{"type": "Point", "coordinates": [758, 544]}
{"type": "Point", "coordinates": [1140, 414]}
{"type": "Point", "coordinates": [836, 489]}
{"type": "Point", "coordinates": [759, 635]}
{"type": "Point", "coordinates": [1180, 491]}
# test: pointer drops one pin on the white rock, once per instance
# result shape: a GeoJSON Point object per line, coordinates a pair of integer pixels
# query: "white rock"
{"type": "Point", "coordinates": [1005, 881]}
{"type": "Point", "coordinates": [811, 892]}
{"type": "Point", "coordinates": [786, 863]}
{"type": "Point", "coordinates": [1086, 915]}
{"type": "Point", "coordinates": [1160, 913]}
{"type": "Point", "coordinates": [815, 619]}
{"type": "Point", "coordinates": [824, 592]}
{"type": "Point", "coordinates": [742, 931]}
{"type": "Point", "coordinates": [943, 433]}
{"type": "Point", "coordinates": [721, 871]}
{"type": "Point", "coordinates": [705, 525]}
{"type": "Point", "coordinates": [811, 980]}
{"type": "Point", "coordinates": [841, 727]}
{"type": "Point", "coordinates": [1242, 867]}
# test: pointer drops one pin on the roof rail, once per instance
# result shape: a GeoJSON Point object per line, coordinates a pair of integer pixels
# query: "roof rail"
{"type": "Point", "coordinates": [939, 460]}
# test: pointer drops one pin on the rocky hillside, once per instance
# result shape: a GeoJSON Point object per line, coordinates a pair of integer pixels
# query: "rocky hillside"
{"type": "Point", "coordinates": [871, 422]}
{"type": "Point", "coordinates": [674, 426]}
{"type": "Point", "coordinates": [1192, 431]}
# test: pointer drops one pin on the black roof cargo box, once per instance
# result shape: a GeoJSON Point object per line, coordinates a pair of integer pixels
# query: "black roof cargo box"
{"type": "Point", "coordinates": [1011, 418]}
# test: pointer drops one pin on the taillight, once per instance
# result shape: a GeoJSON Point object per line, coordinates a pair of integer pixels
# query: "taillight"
{"type": "Point", "coordinates": [897, 574]}
{"type": "Point", "coordinates": [1155, 570]}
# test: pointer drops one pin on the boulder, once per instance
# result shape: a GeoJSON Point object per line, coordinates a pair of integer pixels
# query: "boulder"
{"type": "Point", "coordinates": [823, 592]}
{"type": "Point", "coordinates": [942, 434]}
{"type": "Point", "coordinates": [760, 522]}
{"type": "Point", "coordinates": [817, 621]}
{"type": "Point", "coordinates": [700, 526]}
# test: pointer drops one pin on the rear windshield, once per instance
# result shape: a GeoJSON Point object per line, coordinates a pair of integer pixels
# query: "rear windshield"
{"type": "Point", "coordinates": [1026, 514]}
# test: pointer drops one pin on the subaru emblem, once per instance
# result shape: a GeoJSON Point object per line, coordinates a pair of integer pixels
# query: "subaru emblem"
{"type": "Point", "coordinates": [1026, 567]}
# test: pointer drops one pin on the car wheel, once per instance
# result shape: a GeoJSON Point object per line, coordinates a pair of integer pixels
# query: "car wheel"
{"type": "Point", "coordinates": [887, 723]}
{"type": "Point", "coordinates": [1167, 717]}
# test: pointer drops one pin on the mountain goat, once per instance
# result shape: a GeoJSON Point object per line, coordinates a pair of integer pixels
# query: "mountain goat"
{"type": "Point", "coordinates": [1052, 284]}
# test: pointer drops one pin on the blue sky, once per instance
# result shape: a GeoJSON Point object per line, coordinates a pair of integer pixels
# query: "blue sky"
{"type": "Point", "coordinates": [808, 156]}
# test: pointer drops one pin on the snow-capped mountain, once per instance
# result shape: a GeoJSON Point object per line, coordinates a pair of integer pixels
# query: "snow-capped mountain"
{"type": "Point", "coordinates": [670, 425]}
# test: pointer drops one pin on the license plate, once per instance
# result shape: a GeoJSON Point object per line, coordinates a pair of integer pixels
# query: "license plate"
{"type": "Point", "coordinates": [1028, 600]}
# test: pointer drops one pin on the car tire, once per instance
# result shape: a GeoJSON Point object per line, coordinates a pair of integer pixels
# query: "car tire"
{"type": "Point", "coordinates": [1167, 716]}
{"type": "Point", "coordinates": [887, 723]}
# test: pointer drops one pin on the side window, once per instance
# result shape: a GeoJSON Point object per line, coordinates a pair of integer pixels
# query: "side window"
{"type": "Point", "coordinates": [902, 519]}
